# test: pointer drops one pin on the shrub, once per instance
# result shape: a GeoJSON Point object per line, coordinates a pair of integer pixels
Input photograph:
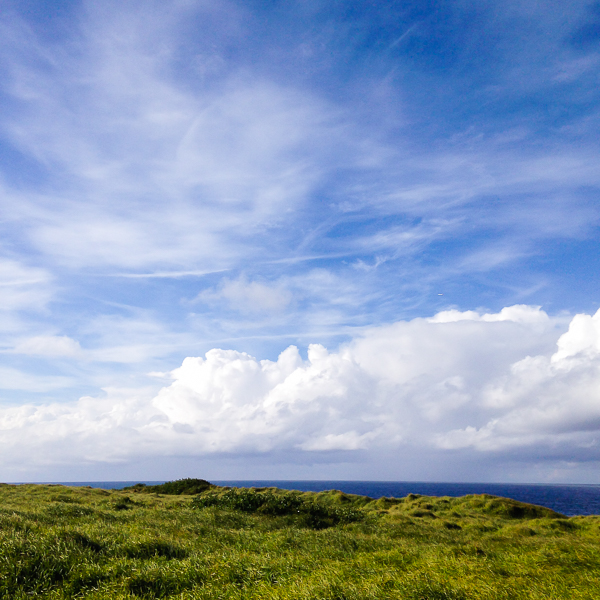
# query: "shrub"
{"type": "Point", "coordinates": [175, 488]}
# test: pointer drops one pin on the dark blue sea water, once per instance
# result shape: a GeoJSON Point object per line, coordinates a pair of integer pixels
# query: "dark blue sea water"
{"type": "Point", "coordinates": [567, 499]}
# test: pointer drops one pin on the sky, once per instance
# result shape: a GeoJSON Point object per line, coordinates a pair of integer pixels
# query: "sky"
{"type": "Point", "coordinates": [300, 239]}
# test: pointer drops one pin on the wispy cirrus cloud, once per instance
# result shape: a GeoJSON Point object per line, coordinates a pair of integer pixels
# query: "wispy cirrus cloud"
{"type": "Point", "coordinates": [48, 345]}
{"type": "Point", "coordinates": [212, 167]}
{"type": "Point", "coordinates": [308, 176]}
{"type": "Point", "coordinates": [23, 286]}
{"type": "Point", "coordinates": [152, 174]}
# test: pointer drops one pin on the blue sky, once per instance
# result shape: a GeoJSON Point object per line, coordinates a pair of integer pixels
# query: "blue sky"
{"type": "Point", "coordinates": [413, 186]}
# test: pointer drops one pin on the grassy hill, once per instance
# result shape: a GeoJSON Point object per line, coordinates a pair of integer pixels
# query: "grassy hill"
{"type": "Point", "coordinates": [189, 540]}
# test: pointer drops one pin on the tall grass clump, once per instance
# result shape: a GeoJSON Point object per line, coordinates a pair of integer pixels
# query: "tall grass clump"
{"type": "Point", "coordinates": [306, 510]}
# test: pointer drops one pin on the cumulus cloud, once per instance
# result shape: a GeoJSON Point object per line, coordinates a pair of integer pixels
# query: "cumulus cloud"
{"type": "Point", "coordinates": [233, 402]}
{"type": "Point", "coordinates": [549, 400]}
{"type": "Point", "coordinates": [491, 382]}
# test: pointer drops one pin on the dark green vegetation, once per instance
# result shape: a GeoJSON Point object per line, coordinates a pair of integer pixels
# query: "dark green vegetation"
{"type": "Point", "coordinates": [176, 488]}
{"type": "Point", "coordinates": [159, 542]}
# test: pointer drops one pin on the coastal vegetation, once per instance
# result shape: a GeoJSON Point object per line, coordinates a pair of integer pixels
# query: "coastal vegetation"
{"type": "Point", "coordinates": [191, 540]}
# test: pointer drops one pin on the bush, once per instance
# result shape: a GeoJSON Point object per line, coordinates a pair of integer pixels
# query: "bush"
{"type": "Point", "coordinates": [175, 488]}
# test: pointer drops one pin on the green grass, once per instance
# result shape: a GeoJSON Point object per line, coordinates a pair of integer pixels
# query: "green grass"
{"type": "Point", "coordinates": [59, 542]}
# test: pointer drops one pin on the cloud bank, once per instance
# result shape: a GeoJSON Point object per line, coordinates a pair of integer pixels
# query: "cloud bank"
{"type": "Point", "coordinates": [180, 179]}
{"type": "Point", "coordinates": [490, 383]}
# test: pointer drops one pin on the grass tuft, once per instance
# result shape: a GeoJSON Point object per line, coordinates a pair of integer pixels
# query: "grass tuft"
{"type": "Point", "coordinates": [67, 543]}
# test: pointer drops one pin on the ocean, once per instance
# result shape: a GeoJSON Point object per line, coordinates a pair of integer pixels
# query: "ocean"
{"type": "Point", "coordinates": [569, 500]}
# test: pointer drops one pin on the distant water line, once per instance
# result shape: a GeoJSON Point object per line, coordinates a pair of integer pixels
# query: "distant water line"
{"type": "Point", "coordinates": [567, 499]}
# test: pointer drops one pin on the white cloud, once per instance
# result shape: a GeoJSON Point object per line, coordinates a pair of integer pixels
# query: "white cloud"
{"type": "Point", "coordinates": [248, 296]}
{"type": "Point", "coordinates": [49, 345]}
{"type": "Point", "coordinates": [343, 441]}
{"type": "Point", "coordinates": [582, 339]}
{"type": "Point", "coordinates": [452, 343]}
{"type": "Point", "coordinates": [89, 430]}
{"type": "Point", "coordinates": [149, 152]}
{"type": "Point", "coordinates": [14, 379]}
{"type": "Point", "coordinates": [544, 400]}
{"type": "Point", "coordinates": [491, 382]}
{"type": "Point", "coordinates": [234, 402]}
{"type": "Point", "coordinates": [23, 287]}
{"type": "Point", "coordinates": [133, 336]}
{"type": "Point", "coordinates": [519, 313]}
{"type": "Point", "coordinates": [24, 290]}
{"type": "Point", "coordinates": [154, 174]}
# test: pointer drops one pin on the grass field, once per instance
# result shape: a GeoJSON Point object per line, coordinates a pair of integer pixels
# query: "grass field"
{"type": "Point", "coordinates": [66, 542]}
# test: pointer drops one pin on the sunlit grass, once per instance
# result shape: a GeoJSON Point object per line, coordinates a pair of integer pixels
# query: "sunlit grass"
{"type": "Point", "coordinates": [59, 542]}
